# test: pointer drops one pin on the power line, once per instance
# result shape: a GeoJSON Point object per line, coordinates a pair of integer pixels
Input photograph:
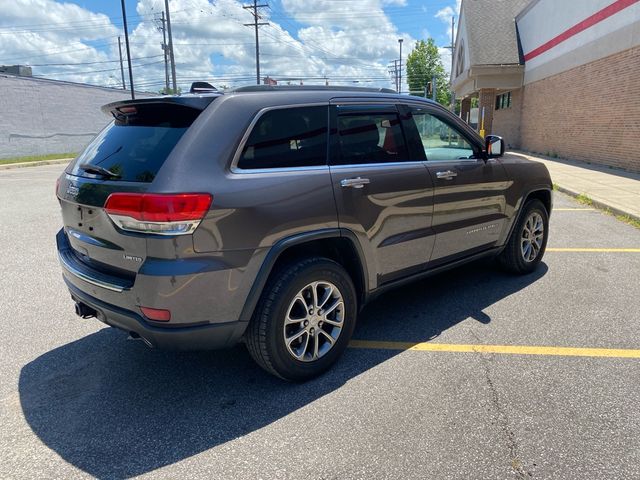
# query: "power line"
{"type": "Point", "coordinates": [85, 63]}
{"type": "Point", "coordinates": [96, 71]}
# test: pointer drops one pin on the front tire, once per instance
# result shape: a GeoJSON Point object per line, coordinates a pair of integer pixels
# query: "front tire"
{"type": "Point", "coordinates": [528, 241]}
{"type": "Point", "coordinates": [304, 320]}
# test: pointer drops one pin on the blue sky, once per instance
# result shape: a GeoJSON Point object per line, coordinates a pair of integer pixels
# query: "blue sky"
{"type": "Point", "coordinates": [344, 41]}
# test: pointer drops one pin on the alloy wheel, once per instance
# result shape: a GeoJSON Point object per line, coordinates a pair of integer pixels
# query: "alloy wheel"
{"type": "Point", "coordinates": [532, 237]}
{"type": "Point", "coordinates": [314, 321]}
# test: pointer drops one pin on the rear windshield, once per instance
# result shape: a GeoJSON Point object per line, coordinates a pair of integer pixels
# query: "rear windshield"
{"type": "Point", "coordinates": [135, 145]}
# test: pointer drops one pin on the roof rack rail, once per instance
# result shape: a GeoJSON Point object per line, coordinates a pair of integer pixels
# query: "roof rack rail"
{"type": "Point", "coordinates": [335, 88]}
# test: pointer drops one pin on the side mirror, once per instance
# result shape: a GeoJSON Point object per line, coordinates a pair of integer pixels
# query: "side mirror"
{"type": "Point", "coordinates": [494, 146]}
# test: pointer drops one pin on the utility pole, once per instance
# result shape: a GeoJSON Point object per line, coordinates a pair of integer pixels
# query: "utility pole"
{"type": "Point", "coordinates": [126, 42]}
{"type": "Point", "coordinates": [452, 49]}
{"type": "Point", "coordinates": [256, 24]}
{"type": "Point", "coordinates": [173, 60]}
{"type": "Point", "coordinates": [400, 40]}
{"type": "Point", "coordinates": [393, 70]}
{"type": "Point", "coordinates": [163, 29]}
{"type": "Point", "coordinates": [124, 86]}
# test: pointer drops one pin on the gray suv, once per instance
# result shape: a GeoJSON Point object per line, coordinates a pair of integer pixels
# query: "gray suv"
{"type": "Point", "coordinates": [272, 215]}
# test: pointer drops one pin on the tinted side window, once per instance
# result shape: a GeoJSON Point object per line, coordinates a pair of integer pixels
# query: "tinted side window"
{"type": "Point", "coordinates": [439, 140]}
{"type": "Point", "coordinates": [287, 137]}
{"type": "Point", "coordinates": [370, 138]}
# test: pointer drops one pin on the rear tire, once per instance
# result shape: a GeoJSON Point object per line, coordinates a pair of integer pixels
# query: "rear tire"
{"type": "Point", "coordinates": [290, 335]}
{"type": "Point", "coordinates": [526, 245]}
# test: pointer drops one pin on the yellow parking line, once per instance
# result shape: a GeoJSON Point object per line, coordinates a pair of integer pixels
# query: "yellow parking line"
{"type": "Point", "coordinates": [503, 349]}
{"type": "Point", "coordinates": [606, 250]}
{"type": "Point", "coordinates": [574, 209]}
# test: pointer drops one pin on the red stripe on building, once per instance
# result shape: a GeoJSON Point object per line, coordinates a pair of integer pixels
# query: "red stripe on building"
{"type": "Point", "coordinates": [597, 17]}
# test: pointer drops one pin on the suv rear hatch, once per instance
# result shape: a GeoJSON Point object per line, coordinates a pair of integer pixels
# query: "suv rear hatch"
{"type": "Point", "coordinates": [117, 168]}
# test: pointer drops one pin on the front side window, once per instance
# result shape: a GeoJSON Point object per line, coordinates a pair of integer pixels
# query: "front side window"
{"type": "Point", "coordinates": [287, 137]}
{"type": "Point", "coordinates": [439, 140]}
{"type": "Point", "coordinates": [370, 137]}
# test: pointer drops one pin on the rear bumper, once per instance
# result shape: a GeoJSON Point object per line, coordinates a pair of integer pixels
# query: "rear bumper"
{"type": "Point", "coordinates": [199, 337]}
{"type": "Point", "coordinates": [203, 318]}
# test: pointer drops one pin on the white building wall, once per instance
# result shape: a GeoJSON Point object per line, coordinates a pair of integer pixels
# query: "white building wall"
{"type": "Point", "coordinates": [39, 117]}
{"type": "Point", "coordinates": [545, 20]}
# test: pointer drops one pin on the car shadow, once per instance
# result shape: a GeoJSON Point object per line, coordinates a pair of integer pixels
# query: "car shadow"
{"type": "Point", "coordinates": [117, 409]}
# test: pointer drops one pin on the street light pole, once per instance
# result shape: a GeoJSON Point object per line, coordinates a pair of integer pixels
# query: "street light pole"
{"type": "Point", "coordinates": [400, 40]}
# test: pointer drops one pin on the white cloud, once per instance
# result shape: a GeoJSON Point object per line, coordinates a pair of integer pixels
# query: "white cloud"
{"type": "Point", "coordinates": [46, 32]}
{"type": "Point", "coordinates": [445, 15]}
{"type": "Point", "coordinates": [347, 41]}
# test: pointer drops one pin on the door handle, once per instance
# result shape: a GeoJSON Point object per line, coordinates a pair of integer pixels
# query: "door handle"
{"type": "Point", "coordinates": [355, 182]}
{"type": "Point", "coordinates": [447, 175]}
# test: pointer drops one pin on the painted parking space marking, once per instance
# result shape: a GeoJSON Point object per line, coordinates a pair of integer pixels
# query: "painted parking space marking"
{"type": "Point", "coordinates": [595, 250]}
{"type": "Point", "coordinates": [574, 209]}
{"type": "Point", "coordinates": [499, 349]}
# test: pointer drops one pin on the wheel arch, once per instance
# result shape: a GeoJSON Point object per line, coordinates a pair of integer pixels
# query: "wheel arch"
{"type": "Point", "coordinates": [542, 193]}
{"type": "Point", "coordinates": [339, 245]}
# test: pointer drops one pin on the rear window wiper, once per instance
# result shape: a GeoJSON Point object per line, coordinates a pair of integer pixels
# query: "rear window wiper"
{"type": "Point", "coordinates": [98, 170]}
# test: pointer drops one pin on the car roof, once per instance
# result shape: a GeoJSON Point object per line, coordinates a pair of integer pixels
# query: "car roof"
{"type": "Point", "coordinates": [316, 93]}
{"type": "Point", "coordinates": [262, 95]}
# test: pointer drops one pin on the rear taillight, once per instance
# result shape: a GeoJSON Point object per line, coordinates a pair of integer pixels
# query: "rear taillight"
{"type": "Point", "coordinates": [161, 214]}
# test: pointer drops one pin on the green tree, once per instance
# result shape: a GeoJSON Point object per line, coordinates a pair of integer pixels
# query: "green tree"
{"type": "Point", "coordinates": [424, 63]}
{"type": "Point", "coordinates": [170, 91]}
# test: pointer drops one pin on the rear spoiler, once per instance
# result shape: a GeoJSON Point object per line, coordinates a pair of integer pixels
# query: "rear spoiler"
{"type": "Point", "coordinates": [197, 102]}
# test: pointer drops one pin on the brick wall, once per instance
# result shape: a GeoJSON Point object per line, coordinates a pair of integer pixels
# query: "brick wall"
{"type": "Point", "coordinates": [589, 113]}
{"type": "Point", "coordinates": [486, 101]}
{"type": "Point", "coordinates": [506, 121]}
{"type": "Point", "coordinates": [40, 117]}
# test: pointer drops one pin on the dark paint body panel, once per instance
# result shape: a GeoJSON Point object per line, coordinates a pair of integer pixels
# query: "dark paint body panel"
{"type": "Point", "coordinates": [404, 222]}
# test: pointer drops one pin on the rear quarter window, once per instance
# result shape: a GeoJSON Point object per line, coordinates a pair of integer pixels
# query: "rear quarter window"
{"type": "Point", "coordinates": [135, 145]}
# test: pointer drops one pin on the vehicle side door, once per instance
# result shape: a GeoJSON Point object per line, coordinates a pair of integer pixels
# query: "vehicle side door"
{"type": "Point", "coordinates": [469, 198]}
{"type": "Point", "coordinates": [383, 195]}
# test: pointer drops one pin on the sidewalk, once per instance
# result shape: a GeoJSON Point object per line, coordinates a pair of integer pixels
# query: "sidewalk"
{"type": "Point", "coordinates": [35, 163]}
{"type": "Point", "coordinates": [608, 188]}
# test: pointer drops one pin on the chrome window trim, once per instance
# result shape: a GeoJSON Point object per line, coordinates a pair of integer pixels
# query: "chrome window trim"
{"type": "Point", "coordinates": [280, 170]}
{"type": "Point", "coordinates": [373, 165]}
{"type": "Point", "coordinates": [455, 160]}
{"type": "Point", "coordinates": [233, 168]}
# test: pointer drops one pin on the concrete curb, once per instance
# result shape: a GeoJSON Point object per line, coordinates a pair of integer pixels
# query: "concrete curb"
{"type": "Point", "coordinates": [602, 205]}
{"type": "Point", "coordinates": [36, 163]}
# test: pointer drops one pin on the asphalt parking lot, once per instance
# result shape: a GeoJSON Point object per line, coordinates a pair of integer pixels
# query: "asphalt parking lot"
{"type": "Point", "coordinates": [470, 374]}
